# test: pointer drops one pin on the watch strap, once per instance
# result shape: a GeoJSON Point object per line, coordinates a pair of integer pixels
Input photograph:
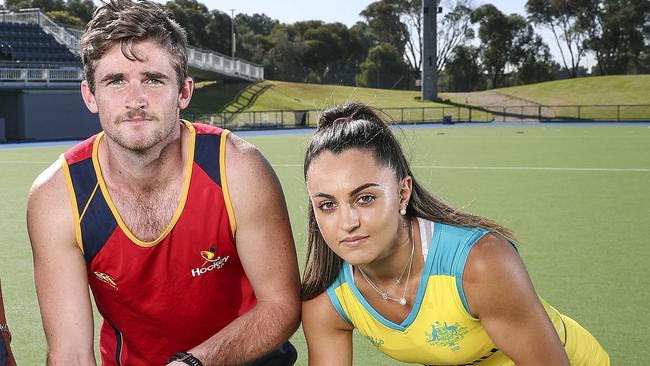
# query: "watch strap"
{"type": "Point", "coordinates": [186, 358]}
{"type": "Point", "coordinates": [4, 328]}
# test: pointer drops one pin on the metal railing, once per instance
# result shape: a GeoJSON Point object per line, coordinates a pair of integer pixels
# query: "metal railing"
{"type": "Point", "coordinates": [41, 75]}
{"type": "Point", "coordinates": [309, 118]}
{"type": "Point", "coordinates": [197, 58]}
{"type": "Point", "coordinates": [445, 114]}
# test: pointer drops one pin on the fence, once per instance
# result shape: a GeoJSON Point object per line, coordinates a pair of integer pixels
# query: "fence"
{"type": "Point", "coordinates": [308, 118]}
{"type": "Point", "coordinates": [41, 75]}
{"type": "Point", "coordinates": [452, 114]}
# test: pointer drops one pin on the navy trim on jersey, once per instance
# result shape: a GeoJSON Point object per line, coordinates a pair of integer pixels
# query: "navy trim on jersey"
{"type": "Point", "coordinates": [97, 226]}
{"type": "Point", "coordinates": [84, 181]}
{"type": "Point", "coordinates": [97, 222]}
{"type": "Point", "coordinates": [206, 155]}
{"type": "Point", "coordinates": [118, 346]}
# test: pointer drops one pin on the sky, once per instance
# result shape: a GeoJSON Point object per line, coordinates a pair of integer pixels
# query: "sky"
{"type": "Point", "coordinates": [347, 12]}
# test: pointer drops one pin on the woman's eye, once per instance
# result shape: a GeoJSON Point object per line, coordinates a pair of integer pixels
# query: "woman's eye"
{"type": "Point", "coordinates": [326, 206]}
{"type": "Point", "coordinates": [366, 199]}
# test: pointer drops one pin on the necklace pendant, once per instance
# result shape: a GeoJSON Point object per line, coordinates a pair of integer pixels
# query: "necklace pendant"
{"type": "Point", "coordinates": [384, 296]}
{"type": "Point", "coordinates": [402, 301]}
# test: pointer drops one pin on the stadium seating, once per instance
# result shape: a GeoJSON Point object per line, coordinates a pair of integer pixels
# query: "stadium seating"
{"type": "Point", "coordinates": [24, 42]}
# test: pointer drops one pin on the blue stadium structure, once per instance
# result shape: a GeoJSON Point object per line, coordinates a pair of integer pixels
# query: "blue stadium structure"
{"type": "Point", "coordinates": [40, 74]}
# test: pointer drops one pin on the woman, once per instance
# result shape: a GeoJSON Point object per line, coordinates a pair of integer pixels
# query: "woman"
{"type": "Point", "coordinates": [423, 281]}
{"type": "Point", "coordinates": [6, 357]}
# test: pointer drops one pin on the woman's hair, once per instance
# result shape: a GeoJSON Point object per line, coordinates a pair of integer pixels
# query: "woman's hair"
{"type": "Point", "coordinates": [126, 22]}
{"type": "Point", "coordinates": [357, 126]}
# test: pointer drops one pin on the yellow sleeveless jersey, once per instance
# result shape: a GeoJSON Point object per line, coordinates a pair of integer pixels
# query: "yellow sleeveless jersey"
{"type": "Point", "coordinates": [440, 329]}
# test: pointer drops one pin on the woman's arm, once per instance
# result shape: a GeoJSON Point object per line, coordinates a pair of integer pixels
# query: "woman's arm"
{"type": "Point", "coordinates": [500, 293]}
{"type": "Point", "coordinates": [329, 337]}
{"type": "Point", "coordinates": [5, 335]}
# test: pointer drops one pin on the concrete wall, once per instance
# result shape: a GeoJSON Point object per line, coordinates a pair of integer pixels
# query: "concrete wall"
{"type": "Point", "coordinates": [11, 112]}
{"type": "Point", "coordinates": [56, 115]}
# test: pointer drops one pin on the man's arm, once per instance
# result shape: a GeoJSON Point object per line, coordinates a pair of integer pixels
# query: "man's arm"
{"type": "Point", "coordinates": [59, 272]}
{"type": "Point", "coordinates": [265, 246]}
{"type": "Point", "coordinates": [500, 293]}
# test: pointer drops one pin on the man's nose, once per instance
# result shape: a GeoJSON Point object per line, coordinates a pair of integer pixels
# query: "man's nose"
{"type": "Point", "coordinates": [136, 96]}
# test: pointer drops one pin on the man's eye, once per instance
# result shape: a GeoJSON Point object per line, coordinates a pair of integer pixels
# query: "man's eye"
{"type": "Point", "coordinates": [116, 82]}
{"type": "Point", "coordinates": [154, 81]}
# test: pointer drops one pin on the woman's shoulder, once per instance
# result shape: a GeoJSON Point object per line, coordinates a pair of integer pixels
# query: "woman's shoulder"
{"type": "Point", "coordinates": [322, 309]}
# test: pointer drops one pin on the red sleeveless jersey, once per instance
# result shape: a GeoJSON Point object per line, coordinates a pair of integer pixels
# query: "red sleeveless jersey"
{"type": "Point", "coordinates": [158, 298]}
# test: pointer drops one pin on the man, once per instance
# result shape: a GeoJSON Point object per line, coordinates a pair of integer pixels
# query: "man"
{"type": "Point", "coordinates": [180, 230]}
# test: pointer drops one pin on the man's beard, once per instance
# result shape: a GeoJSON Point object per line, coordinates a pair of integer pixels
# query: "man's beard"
{"type": "Point", "coordinates": [144, 143]}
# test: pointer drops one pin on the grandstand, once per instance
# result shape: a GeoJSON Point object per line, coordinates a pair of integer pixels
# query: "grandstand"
{"type": "Point", "coordinates": [40, 73]}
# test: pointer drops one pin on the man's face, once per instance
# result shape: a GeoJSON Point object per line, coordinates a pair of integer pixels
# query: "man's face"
{"type": "Point", "coordinates": [138, 101]}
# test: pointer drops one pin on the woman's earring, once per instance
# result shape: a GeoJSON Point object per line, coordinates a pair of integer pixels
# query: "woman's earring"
{"type": "Point", "coordinates": [402, 211]}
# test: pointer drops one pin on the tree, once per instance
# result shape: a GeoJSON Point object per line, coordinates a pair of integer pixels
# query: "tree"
{"type": "Point", "coordinates": [284, 54]}
{"type": "Point", "coordinates": [64, 17]}
{"type": "Point", "coordinates": [252, 32]}
{"type": "Point", "coordinates": [217, 32]}
{"type": "Point", "coordinates": [194, 17]}
{"type": "Point", "coordinates": [531, 58]}
{"type": "Point", "coordinates": [509, 43]}
{"type": "Point", "coordinates": [496, 33]}
{"type": "Point", "coordinates": [384, 24]}
{"type": "Point", "coordinates": [333, 53]}
{"type": "Point", "coordinates": [384, 68]}
{"type": "Point", "coordinates": [257, 24]}
{"type": "Point", "coordinates": [463, 71]}
{"type": "Point", "coordinates": [562, 18]}
{"type": "Point", "coordinates": [454, 30]}
{"type": "Point", "coordinates": [617, 31]}
{"type": "Point", "coordinates": [82, 9]}
{"type": "Point", "coordinates": [44, 5]}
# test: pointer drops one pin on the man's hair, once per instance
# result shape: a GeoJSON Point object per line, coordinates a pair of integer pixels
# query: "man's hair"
{"type": "Point", "coordinates": [127, 22]}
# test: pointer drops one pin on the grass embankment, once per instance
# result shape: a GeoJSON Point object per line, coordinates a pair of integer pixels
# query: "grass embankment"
{"type": "Point", "coordinates": [597, 98]}
{"type": "Point", "coordinates": [401, 105]}
{"type": "Point", "coordinates": [624, 97]}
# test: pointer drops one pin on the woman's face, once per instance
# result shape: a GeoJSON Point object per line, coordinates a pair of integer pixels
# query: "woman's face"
{"type": "Point", "coordinates": [356, 202]}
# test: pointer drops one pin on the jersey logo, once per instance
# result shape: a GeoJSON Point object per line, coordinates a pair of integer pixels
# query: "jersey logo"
{"type": "Point", "coordinates": [106, 279]}
{"type": "Point", "coordinates": [212, 262]}
{"type": "Point", "coordinates": [375, 342]}
{"type": "Point", "coordinates": [443, 335]}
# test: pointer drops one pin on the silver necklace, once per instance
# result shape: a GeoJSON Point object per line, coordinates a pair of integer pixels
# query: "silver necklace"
{"type": "Point", "coordinates": [384, 294]}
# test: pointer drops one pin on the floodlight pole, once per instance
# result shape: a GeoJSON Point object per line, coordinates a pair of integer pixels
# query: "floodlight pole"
{"type": "Point", "coordinates": [429, 49]}
{"type": "Point", "coordinates": [232, 32]}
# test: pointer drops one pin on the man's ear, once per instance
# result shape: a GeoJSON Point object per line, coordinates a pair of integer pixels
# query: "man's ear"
{"type": "Point", "coordinates": [185, 95]}
{"type": "Point", "coordinates": [88, 97]}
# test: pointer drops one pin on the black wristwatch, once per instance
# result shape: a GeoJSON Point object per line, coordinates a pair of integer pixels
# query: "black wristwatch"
{"type": "Point", "coordinates": [186, 358]}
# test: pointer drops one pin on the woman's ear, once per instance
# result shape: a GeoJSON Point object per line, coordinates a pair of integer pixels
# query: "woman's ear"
{"type": "Point", "coordinates": [405, 190]}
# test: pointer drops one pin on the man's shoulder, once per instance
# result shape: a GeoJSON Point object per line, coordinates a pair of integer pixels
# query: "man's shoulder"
{"type": "Point", "coordinates": [203, 129]}
{"type": "Point", "coordinates": [81, 151]}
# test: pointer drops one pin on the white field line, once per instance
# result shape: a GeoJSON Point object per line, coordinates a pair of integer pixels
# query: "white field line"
{"type": "Point", "coordinates": [28, 162]}
{"type": "Point", "coordinates": [460, 167]}
{"type": "Point", "coordinates": [510, 168]}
